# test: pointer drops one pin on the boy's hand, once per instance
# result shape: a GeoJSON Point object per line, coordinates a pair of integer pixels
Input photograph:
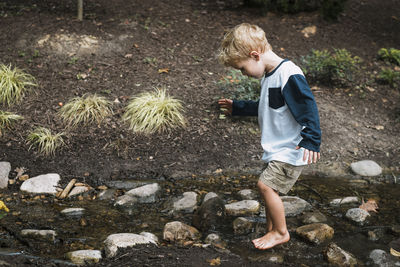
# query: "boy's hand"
{"type": "Point", "coordinates": [226, 104]}
{"type": "Point", "coordinates": [310, 156]}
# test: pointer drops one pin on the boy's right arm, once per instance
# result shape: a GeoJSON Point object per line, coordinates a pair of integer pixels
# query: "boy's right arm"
{"type": "Point", "coordinates": [239, 107]}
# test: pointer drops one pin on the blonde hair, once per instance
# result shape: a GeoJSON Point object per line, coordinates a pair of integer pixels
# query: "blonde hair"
{"type": "Point", "coordinates": [240, 41]}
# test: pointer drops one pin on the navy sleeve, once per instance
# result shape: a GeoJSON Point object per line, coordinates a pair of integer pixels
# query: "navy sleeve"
{"type": "Point", "coordinates": [302, 105]}
{"type": "Point", "coordinates": [245, 108]}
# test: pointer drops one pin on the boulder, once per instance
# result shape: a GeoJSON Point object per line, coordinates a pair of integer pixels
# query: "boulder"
{"type": "Point", "coordinates": [366, 168]}
{"type": "Point", "coordinates": [294, 205]}
{"type": "Point", "coordinates": [146, 193]}
{"type": "Point", "coordinates": [187, 203]}
{"type": "Point", "coordinates": [210, 215]}
{"type": "Point", "coordinates": [46, 235]}
{"type": "Point", "coordinates": [180, 232]}
{"type": "Point", "coordinates": [339, 257]}
{"type": "Point", "coordinates": [5, 168]}
{"type": "Point", "coordinates": [357, 215]}
{"type": "Point", "coordinates": [82, 257]}
{"type": "Point", "coordinates": [315, 232]}
{"type": "Point", "coordinates": [122, 240]}
{"type": "Point", "coordinates": [42, 184]}
{"type": "Point", "coordinates": [242, 208]}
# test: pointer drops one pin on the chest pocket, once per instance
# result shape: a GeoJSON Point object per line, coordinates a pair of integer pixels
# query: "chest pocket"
{"type": "Point", "coordinates": [275, 97]}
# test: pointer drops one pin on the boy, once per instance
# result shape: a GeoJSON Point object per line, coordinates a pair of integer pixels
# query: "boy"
{"type": "Point", "coordinates": [287, 116]}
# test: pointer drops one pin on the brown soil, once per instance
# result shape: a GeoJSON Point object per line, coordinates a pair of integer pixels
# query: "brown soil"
{"type": "Point", "coordinates": [183, 36]}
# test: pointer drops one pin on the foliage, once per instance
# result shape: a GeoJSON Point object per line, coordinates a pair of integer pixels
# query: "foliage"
{"type": "Point", "coordinates": [240, 86]}
{"type": "Point", "coordinates": [389, 76]}
{"type": "Point", "coordinates": [391, 55]}
{"type": "Point", "coordinates": [14, 83]}
{"type": "Point", "coordinates": [85, 110]}
{"type": "Point", "coordinates": [154, 112]}
{"type": "Point", "coordinates": [337, 68]}
{"type": "Point", "coordinates": [331, 9]}
{"type": "Point", "coordinates": [7, 118]}
{"type": "Point", "coordinates": [45, 141]}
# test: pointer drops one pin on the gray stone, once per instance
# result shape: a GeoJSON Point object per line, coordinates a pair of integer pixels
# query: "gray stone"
{"type": "Point", "coordinates": [382, 259]}
{"type": "Point", "coordinates": [339, 257]}
{"type": "Point", "coordinates": [123, 240]}
{"type": "Point", "coordinates": [313, 217]}
{"type": "Point", "coordinates": [73, 211]}
{"type": "Point", "coordinates": [315, 232]}
{"type": "Point", "coordinates": [150, 235]}
{"type": "Point", "coordinates": [126, 201]}
{"type": "Point", "coordinates": [247, 194]}
{"type": "Point", "coordinates": [294, 205]}
{"type": "Point", "coordinates": [187, 203]}
{"type": "Point", "coordinates": [345, 200]}
{"type": "Point", "coordinates": [357, 215]}
{"type": "Point", "coordinates": [47, 235]}
{"type": "Point", "coordinates": [242, 226]}
{"type": "Point", "coordinates": [366, 168]}
{"type": "Point", "coordinates": [82, 257]}
{"type": "Point", "coordinates": [209, 195]}
{"type": "Point", "coordinates": [242, 208]}
{"type": "Point", "coordinates": [212, 239]}
{"type": "Point", "coordinates": [5, 168]}
{"type": "Point", "coordinates": [107, 194]}
{"type": "Point", "coordinates": [180, 232]}
{"type": "Point", "coordinates": [125, 184]}
{"type": "Point", "coordinates": [77, 190]}
{"type": "Point", "coordinates": [146, 193]}
{"type": "Point", "coordinates": [42, 184]}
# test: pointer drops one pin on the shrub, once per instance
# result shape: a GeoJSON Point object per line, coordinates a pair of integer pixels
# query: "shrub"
{"type": "Point", "coordinates": [391, 55]}
{"type": "Point", "coordinates": [240, 86]}
{"type": "Point", "coordinates": [14, 83]}
{"type": "Point", "coordinates": [45, 141]}
{"type": "Point", "coordinates": [389, 76]}
{"type": "Point", "coordinates": [154, 112]}
{"type": "Point", "coordinates": [7, 118]}
{"type": "Point", "coordinates": [325, 67]}
{"type": "Point", "coordinates": [85, 110]}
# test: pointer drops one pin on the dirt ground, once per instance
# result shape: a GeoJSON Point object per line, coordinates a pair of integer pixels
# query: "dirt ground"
{"type": "Point", "coordinates": [118, 51]}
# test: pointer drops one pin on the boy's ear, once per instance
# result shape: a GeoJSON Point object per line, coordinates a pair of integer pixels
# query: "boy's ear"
{"type": "Point", "coordinates": [255, 55]}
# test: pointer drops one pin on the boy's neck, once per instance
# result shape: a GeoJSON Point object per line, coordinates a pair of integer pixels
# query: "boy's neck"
{"type": "Point", "coordinates": [271, 60]}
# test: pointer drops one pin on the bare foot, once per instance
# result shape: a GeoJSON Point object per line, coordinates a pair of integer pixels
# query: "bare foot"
{"type": "Point", "coordinates": [270, 240]}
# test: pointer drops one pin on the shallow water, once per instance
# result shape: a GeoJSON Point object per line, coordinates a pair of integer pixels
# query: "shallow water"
{"type": "Point", "coordinates": [101, 218]}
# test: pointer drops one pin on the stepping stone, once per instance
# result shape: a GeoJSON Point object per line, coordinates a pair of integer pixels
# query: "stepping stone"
{"type": "Point", "coordinates": [242, 208]}
{"type": "Point", "coordinates": [294, 205]}
{"type": "Point", "coordinates": [187, 203]}
{"type": "Point", "coordinates": [82, 257]}
{"type": "Point", "coordinates": [146, 193]}
{"type": "Point", "coordinates": [315, 232]}
{"type": "Point", "coordinates": [180, 232]}
{"type": "Point", "coordinates": [366, 168]}
{"type": "Point", "coordinates": [357, 215]}
{"type": "Point", "coordinates": [123, 240]}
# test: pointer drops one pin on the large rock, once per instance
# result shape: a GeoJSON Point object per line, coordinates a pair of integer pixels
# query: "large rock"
{"type": "Point", "coordinates": [366, 168]}
{"type": "Point", "coordinates": [187, 203]}
{"type": "Point", "coordinates": [82, 257]}
{"type": "Point", "coordinates": [5, 168]}
{"type": "Point", "coordinates": [242, 208]}
{"type": "Point", "coordinates": [294, 205]}
{"type": "Point", "coordinates": [315, 232]}
{"type": "Point", "coordinates": [42, 184]}
{"type": "Point", "coordinates": [339, 257]}
{"type": "Point", "coordinates": [210, 215]}
{"type": "Point", "coordinates": [47, 235]}
{"type": "Point", "coordinates": [123, 240]}
{"type": "Point", "coordinates": [180, 232]}
{"type": "Point", "coordinates": [357, 215]}
{"type": "Point", "coordinates": [146, 193]}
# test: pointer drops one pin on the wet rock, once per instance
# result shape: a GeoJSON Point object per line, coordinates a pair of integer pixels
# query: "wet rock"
{"type": "Point", "coordinates": [294, 205]}
{"type": "Point", "coordinates": [313, 217]}
{"type": "Point", "coordinates": [123, 240]}
{"type": "Point", "coordinates": [357, 215]}
{"type": "Point", "coordinates": [267, 257]}
{"type": "Point", "coordinates": [215, 240]}
{"type": "Point", "coordinates": [77, 190]}
{"type": "Point", "coordinates": [366, 168]}
{"type": "Point", "coordinates": [315, 232]}
{"type": "Point", "coordinates": [342, 201]}
{"type": "Point", "coordinates": [187, 203]}
{"type": "Point", "coordinates": [73, 212]}
{"type": "Point", "coordinates": [107, 194]}
{"type": "Point", "coordinates": [146, 193]}
{"type": "Point", "coordinates": [339, 257]}
{"type": "Point", "coordinates": [209, 195]}
{"type": "Point", "coordinates": [242, 226]}
{"type": "Point", "coordinates": [242, 208]}
{"type": "Point", "coordinates": [125, 201]}
{"type": "Point", "coordinates": [382, 259]}
{"type": "Point", "coordinates": [82, 257]}
{"type": "Point", "coordinates": [42, 184]}
{"type": "Point", "coordinates": [247, 194]}
{"type": "Point", "coordinates": [180, 232]}
{"type": "Point", "coordinates": [125, 184]}
{"type": "Point", "coordinates": [47, 235]}
{"type": "Point", "coordinates": [5, 168]}
{"type": "Point", "coordinates": [376, 234]}
{"type": "Point", "coordinates": [210, 215]}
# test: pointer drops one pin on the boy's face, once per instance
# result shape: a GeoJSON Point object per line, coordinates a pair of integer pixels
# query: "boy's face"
{"type": "Point", "coordinates": [252, 67]}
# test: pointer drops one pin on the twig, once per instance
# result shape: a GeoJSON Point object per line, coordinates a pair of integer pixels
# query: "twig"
{"type": "Point", "coordinates": [68, 188]}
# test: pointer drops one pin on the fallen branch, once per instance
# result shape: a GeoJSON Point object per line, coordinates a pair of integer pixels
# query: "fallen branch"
{"type": "Point", "coordinates": [68, 188]}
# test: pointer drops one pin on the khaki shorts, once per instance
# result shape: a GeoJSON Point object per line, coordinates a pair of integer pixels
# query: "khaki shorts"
{"type": "Point", "coordinates": [280, 176]}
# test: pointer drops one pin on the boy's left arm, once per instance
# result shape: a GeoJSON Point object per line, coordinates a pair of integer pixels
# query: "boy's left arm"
{"type": "Point", "coordinates": [302, 105]}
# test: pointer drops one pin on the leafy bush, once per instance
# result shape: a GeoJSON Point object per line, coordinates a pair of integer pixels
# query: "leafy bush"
{"type": "Point", "coordinates": [240, 86]}
{"type": "Point", "coordinates": [14, 83]}
{"type": "Point", "coordinates": [391, 55]}
{"type": "Point", "coordinates": [7, 118]}
{"type": "Point", "coordinates": [154, 112]}
{"type": "Point", "coordinates": [45, 141]}
{"type": "Point", "coordinates": [85, 110]}
{"type": "Point", "coordinates": [337, 68]}
{"type": "Point", "coordinates": [389, 76]}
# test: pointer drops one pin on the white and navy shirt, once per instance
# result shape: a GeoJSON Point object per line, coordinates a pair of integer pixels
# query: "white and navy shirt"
{"type": "Point", "coordinates": [287, 115]}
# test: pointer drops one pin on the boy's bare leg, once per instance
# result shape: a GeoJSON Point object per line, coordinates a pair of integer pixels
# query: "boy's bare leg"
{"type": "Point", "coordinates": [274, 207]}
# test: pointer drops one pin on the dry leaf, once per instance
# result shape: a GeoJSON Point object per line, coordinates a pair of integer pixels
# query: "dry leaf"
{"type": "Point", "coordinates": [214, 262]}
{"type": "Point", "coordinates": [370, 205]}
{"type": "Point", "coordinates": [165, 70]}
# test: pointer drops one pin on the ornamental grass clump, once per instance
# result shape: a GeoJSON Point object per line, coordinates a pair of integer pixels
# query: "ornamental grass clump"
{"type": "Point", "coordinates": [154, 112]}
{"type": "Point", "coordinates": [85, 110]}
{"type": "Point", "coordinates": [7, 119]}
{"type": "Point", "coordinates": [45, 142]}
{"type": "Point", "coordinates": [14, 83]}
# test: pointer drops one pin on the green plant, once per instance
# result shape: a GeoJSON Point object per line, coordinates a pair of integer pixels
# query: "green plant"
{"type": "Point", "coordinates": [389, 76]}
{"type": "Point", "coordinates": [154, 112]}
{"type": "Point", "coordinates": [150, 60]}
{"type": "Point", "coordinates": [46, 142]}
{"type": "Point", "coordinates": [85, 110]}
{"type": "Point", "coordinates": [331, 68]}
{"type": "Point", "coordinates": [14, 83]}
{"type": "Point", "coordinates": [72, 60]}
{"type": "Point", "coordinates": [7, 118]}
{"type": "Point", "coordinates": [240, 86]}
{"type": "Point", "coordinates": [391, 55]}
